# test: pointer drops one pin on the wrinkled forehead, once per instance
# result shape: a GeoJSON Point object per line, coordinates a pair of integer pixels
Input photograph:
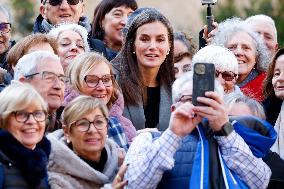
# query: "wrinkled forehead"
{"type": "Point", "coordinates": [51, 65]}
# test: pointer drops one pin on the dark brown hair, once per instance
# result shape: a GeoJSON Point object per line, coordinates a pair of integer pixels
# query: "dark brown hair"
{"type": "Point", "coordinates": [104, 7]}
{"type": "Point", "coordinates": [130, 78]}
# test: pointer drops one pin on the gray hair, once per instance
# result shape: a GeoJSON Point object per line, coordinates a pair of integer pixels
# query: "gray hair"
{"type": "Point", "coordinates": [254, 106]}
{"type": "Point", "coordinates": [55, 32]}
{"type": "Point", "coordinates": [231, 26]}
{"type": "Point", "coordinates": [18, 96]}
{"type": "Point", "coordinates": [28, 63]}
{"type": "Point", "coordinates": [6, 12]}
{"type": "Point", "coordinates": [262, 18]}
{"type": "Point", "coordinates": [185, 79]}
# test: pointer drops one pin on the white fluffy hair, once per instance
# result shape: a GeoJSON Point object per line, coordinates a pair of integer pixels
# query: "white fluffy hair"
{"type": "Point", "coordinates": [187, 79]}
{"type": "Point", "coordinates": [55, 32]}
{"type": "Point", "coordinates": [222, 58]}
{"type": "Point", "coordinates": [262, 18]}
{"type": "Point", "coordinates": [228, 28]}
{"type": "Point", "coordinates": [28, 63]}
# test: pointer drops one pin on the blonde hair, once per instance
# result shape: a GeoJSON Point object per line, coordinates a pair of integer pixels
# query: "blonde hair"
{"type": "Point", "coordinates": [82, 65]}
{"type": "Point", "coordinates": [18, 96]}
{"type": "Point", "coordinates": [79, 107]}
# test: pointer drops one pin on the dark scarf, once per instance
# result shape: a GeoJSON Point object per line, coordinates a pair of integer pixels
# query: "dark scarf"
{"type": "Point", "coordinates": [43, 26]}
{"type": "Point", "coordinates": [32, 163]}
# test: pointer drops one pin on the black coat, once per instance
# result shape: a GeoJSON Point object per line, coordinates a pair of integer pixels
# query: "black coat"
{"type": "Point", "coordinates": [20, 167]}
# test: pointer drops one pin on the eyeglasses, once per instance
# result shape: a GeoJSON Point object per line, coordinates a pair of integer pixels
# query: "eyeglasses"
{"type": "Point", "coordinates": [92, 81]}
{"type": "Point", "coordinates": [185, 68]}
{"type": "Point", "coordinates": [50, 77]}
{"type": "Point", "coordinates": [84, 125]}
{"type": "Point", "coordinates": [22, 116]}
{"type": "Point", "coordinates": [185, 98]}
{"type": "Point", "coordinates": [227, 76]}
{"type": "Point", "coordinates": [59, 2]}
{"type": "Point", "coordinates": [5, 27]}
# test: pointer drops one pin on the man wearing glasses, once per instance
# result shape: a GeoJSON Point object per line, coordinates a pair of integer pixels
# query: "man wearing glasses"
{"type": "Point", "coordinates": [54, 12]}
{"type": "Point", "coordinates": [44, 72]}
{"type": "Point", "coordinates": [5, 36]}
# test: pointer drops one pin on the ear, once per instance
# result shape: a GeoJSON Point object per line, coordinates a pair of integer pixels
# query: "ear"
{"type": "Point", "coordinates": [173, 107]}
{"type": "Point", "coordinates": [276, 47]}
{"type": "Point", "coordinates": [23, 79]}
{"type": "Point", "coordinates": [82, 9]}
{"type": "Point", "coordinates": [42, 10]}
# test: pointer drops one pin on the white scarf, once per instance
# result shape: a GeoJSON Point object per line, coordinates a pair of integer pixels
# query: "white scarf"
{"type": "Point", "coordinates": [278, 146]}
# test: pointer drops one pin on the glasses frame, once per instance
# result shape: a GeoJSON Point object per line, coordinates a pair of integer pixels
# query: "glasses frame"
{"type": "Point", "coordinates": [10, 25]}
{"type": "Point", "coordinates": [90, 123]}
{"type": "Point", "coordinates": [217, 73]}
{"type": "Point", "coordinates": [60, 2]}
{"type": "Point", "coordinates": [100, 79]}
{"type": "Point", "coordinates": [66, 79]}
{"type": "Point", "coordinates": [28, 114]}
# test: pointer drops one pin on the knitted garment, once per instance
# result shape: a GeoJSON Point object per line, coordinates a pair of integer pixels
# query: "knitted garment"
{"type": "Point", "coordinates": [253, 88]}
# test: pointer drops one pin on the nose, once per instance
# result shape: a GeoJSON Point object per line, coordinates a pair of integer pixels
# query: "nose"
{"type": "Point", "coordinates": [100, 85]}
{"type": "Point", "coordinates": [92, 128]}
{"type": "Point", "coordinates": [124, 20]}
{"type": "Point", "coordinates": [74, 47]}
{"type": "Point", "coordinates": [57, 84]}
{"type": "Point", "coordinates": [64, 4]}
{"type": "Point", "coordinates": [153, 44]}
{"type": "Point", "coordinates": [31, 119]}
{"type": "Point", "coordinates": [238, 51]}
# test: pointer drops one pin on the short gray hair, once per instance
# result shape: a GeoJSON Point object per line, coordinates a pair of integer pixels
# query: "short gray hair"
{"type": "Point", "coordinates": [28, 63]}
{"type": "Point", "coordinates": [185, 79]}
{"type": "Point", "coordinates": [6, 12]}
{"type": "Point", "coordinates": [231, 26]}
{"type": "Point", "coordinates": [254, 106]}
{"type": "Point", "coordinates": [55, 32]}
{"type": "Point", "coordinates": [18, 96]}
{"type": "Point", "coordinates": [263, 18]}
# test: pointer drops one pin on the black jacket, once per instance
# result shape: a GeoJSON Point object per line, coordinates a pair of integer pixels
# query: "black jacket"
{"type": "Point", "coordinates": [20, 167]}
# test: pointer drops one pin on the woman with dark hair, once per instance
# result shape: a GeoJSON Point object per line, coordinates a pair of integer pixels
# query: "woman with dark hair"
{"type": "Point", "coordinates": [145, 69]}
{"type": "Point", "coordinates": [110, 17]}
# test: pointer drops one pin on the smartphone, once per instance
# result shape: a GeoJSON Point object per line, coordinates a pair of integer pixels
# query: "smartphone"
{"type": "Point", "coordinates": [203, 80]}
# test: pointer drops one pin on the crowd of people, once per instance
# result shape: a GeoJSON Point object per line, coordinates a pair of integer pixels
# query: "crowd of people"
{"type": "Point", "coordinates": [108, 103]}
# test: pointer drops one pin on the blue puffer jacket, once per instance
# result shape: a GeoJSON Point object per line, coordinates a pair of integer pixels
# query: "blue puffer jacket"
{"type": "Point", "coordinates": [188, 156]}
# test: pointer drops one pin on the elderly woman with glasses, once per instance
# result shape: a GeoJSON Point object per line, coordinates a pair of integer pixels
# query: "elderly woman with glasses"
{"type": "Point", "coordinates": [24, 150]}
{"type": "Point", "coordinates": [91, 74]}
{"type": "Point", "coordinates": [82, 157]}
{"type": "Point", "coordinates": [5, 36]}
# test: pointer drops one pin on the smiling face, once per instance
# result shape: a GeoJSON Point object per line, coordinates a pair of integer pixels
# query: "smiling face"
{"type": "Point", "coordinates": [100, 91]}
{"type": "Point", "coordinates": [267, 33]}
{"type": "Point", "coordinates": [70, 45]}
{"type": "Point", "coordinates": [278, 77]}
{"type": "Point", "coordinates": [4, 37]}
{"type": "Point", "coordinates": [91, 142]}
{"type": "Point", "coordinates": [63, 13]}
{"type": "Point", "coordinates": [151, 45]}
{"type": "Point", "coordinates": [30, 132]}
{"type": "Point", "coordinates": [52, 93]}
{"type": "Point", "coordinates": [113, 23]}
{"type": "Point", "coordinates": [243, 47]}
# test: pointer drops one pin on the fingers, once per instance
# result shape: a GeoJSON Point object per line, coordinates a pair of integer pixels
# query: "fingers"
{"type": "Point", "coordinates": [118, 181]}
{"type": "Point", "coordinates": [121, 184]}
